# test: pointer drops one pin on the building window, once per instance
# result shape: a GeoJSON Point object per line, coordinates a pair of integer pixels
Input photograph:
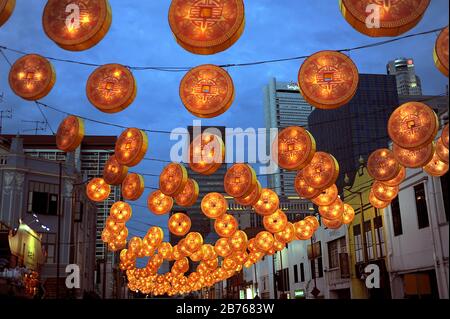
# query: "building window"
{"type": "Point", "coordinates": [444, 187]}
{"type": "Point", "coordinates": [42, 198]}
{"type": "Point", "coordinates": [333, 254]}
{"type": "Point", "coordinates": [369, 239]}
{"type": "Point", "coordinates": [379, 236]}
{"type": "Point", "coordinates": [359, 256]}
{"type": "Point", "coordinates": [302, 272]}
{"type": "Point", "coordinates": [421, 206]}
{"type": "Point", "coordinates": [396, 217]}
{"type": "Point", "coordinates": [295, 273]}
{"type": "Point", "coordinates": [48, 244]}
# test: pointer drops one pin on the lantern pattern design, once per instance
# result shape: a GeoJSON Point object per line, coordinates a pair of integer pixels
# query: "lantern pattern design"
{"type": "Point", "coordinates": [207, 27]}
{"type": "Point", "coordinates": [275, 222]}
{"type": "Point", "coordinates": [327, 196]}
{"type": "Point", "coordinates": [81, 28]}
{"type": "Point", "coordinates": [384, 192]}
{"type": "Point", "coordinates": [206, 154]}
{"type": "Point", "coordinates": [398, 179]}
{"type": "Point", "coordinates": [382, 165]}
{"type": "Point", "coordinates": [189, 195]}
{"type": "Point", "coordinates": [111, 88]}
{"type": "Point", "coordinates": [333, 211]}
{"type": "Point", "coordinates": [268, 203]}
{"type": "Point", "coordinates": [303, 189]}
{"type": "Point", "coordinates": [114, 173]}
{"type": "Point", "coordinates": [348, 215]}
{"type": "Point", "coordinates": [322, 172]}
{"type": "Point", "coordinates": [264, 241]}
{"type": "Point", "coordinates": [332, 224]}
{"type": "Point", "coordinates": [207, 91]}
{"type": "Point", "coordinates": [32, 77]}
{"type": "Point", "coordinates": [131, 147]}
{"type": "Point", "coordinates": [240, 180]}
{"type": "Point", "coordinates": [287, 234]}
{"type": "Point", "coordinates": [238, 241]}
{"type": "Point", "coordinates": [251, 199]}
{"type": "Point", "coordinates": [159, 203]}
{"type": "Point", "coordinates": [303, 230]}
{"type": "Point", "coordinates": [313, 221]}
{"type": "Point", "coordinates": [179, 224]}
{"type": "Point", "coordinates": [121, 212]}
{"type": "Point", "coordinates": [133, 186]}
{"type": "Point", "coordinates": [442, 151]}
{"type": "Point", "coordinates": [98, 190]}
{"type": "Point", "coordinates": [396, 17]}
{"type": "Point", "coordinates": [6, 10]}
{"type": "Point", "coordinates": [194, 241]}
{"type": "Point", "coordinates": [226, 225]}
{"type": "Point", "coordinates": [173, 179]}
{"type": "Point", "coordinates": [413, 125]}
{"type": "Point", "coordinates": [444, 136]}
{"type": "Point", "coordinates": [70, 134]}
{"type": "Point", "coordinates": [377, 203]}
{"type": "Point", "coordinates": [222, 247]}
{"type": "Point", "coordinates": [328, 79]}
{"type": "Point", "coordinates": [440, 53]}
{"type": "Point", "coordinates": [436, 167]}
{"type": "Point", "coordinates": [414, 158]}
{"type": "Point", "coordinates": [214, 205]}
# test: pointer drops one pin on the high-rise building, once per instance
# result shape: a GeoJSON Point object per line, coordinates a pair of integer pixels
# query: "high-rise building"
{"type": "Point", "coordinates": [358, 128]}
{"type": "Point", "coordinates": [408, 83]}
{"type": "Point", "coordinates": [284, 106]}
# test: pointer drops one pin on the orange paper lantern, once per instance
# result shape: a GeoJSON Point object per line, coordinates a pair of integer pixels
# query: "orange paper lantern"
{"type": "Point", "coordinates": [32, 77]}
{"type": "Point", "coordinates": [382, 165]}
{"type": "Point", "coordinates": [398, 179]}
{"type": "Point", "coordinates": [121, 212]}
{"type": "Point", "coordinates": [182, 265]}
{"type": "Point", "coordinates": [206, 27]}
{"type": "Point", "coordinates": [444, 136]}
{"type": "Point", "coordinates": [414, 158]}
{"type": "Point", "coordinates": [442, 151]}
{"type": "Point", "coordinates": [440, 53]}
{"type": "Point", "coordinates": [166, 250]}
{"type": "Point", "coordinates": [193, 241]}
{"type": "Point", "coordinates": [251, 199]}
{"type": "Point", "coordinates": [206, 154]}
{"type": "Point", "coordinates": [395, 17]}
{"type": "Point", "coordinates": [294, 148]}
{"type": "Point", "coordinates": [314, 222]}
{"type": "Point", "coordinates": [197, 256]}
{"type": "Point", "coordinates": [114, 173]}
{"type": "Point", "coordinates": [332, 224]}
{"type": "Point", "coordinates": [173, 179]}
{"type": "Point", "coordinates": [327, 196]}
{"type": "Point", "coordinates": [264, 241]}
{"type": "Point", "coordinates": [303, 230]}
{"type": "Point", "coordinates": [268, 203]}
{"type": "Point", "coordinates": [240, 180]}
{"type": "Point", "coordinates": [349, 214]}
{"type": "Point", "coordinates": [6, 10]}
{"type": "Point", "coordinates": [384, 192]}
{"type": "Point", "coordinates": [333, 211]}
{"type": "Point", "coordinates": [303, 189]}
{"type": "Point", "coordinates": [436, 167]}
{"type": "Point", "coordinates": [214, 205]}
{"type": "Point", "coordinates": [179, 224]}
{"type": "Point", "coordinates": [154, 236]}
{"type": "Point", "coordinates": [328, 79]}
{"type": "Point", "coordinates": [77, 25]}
{"type": "Point", "coordinates": [251, 245]}
{"type": "Point", "coordinates": [133, 187]}
{"type": "Point", "coordinates": [377, 203]}
{"type": "Point", "coordinates": [159, 204]}
{"type": "Point", "coordinates": [131, 147]}
{"type": "Point", "coordinates": [208, 252]}
{"type": "Point", "coordinates": [287, 234]}
{"type": "Point", "coordinates": [413, 125]}
{"type": "Point", "coordinates": [114, 227]}
{"type": "Point", "coordinates": [275, 222]}
{"type": "Point", "coordinates": [134, 245]}
{"type": "Point", "coordinates": [222, 247]}
{"type": "Point", "coordinates": [322, 172]}
{"type": "Point", "coordinates": [70, 134]}
{"type": "Point", "coordinates": [98, 190]}
{"type": "Point", "coordinates": [111, 88]}
{"type": "Point", "coordinates": [189, 195]}
{"type": "Point", "coordinates": [226, 225]}
{"type": "Point", "coordinates": [238, 241]}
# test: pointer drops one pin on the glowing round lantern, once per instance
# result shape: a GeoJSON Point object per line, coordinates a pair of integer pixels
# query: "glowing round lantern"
{"type": "Point", "coordinates": [222, 247]}
{"type": "Point", "coordinates": [176, 253]}
{"type": "Point", "coordinates": [251, 245]}
{"type": "Point", "coordinates": [278, 245]}
{"type": "Point", "coordinates": [264, 241]}
{"type": "Point", "coordinates": [207, 91]}
{"type": "Point", "coordinates": [436, 167]}
{"type": "Point", "coordinates": [442, 151]}
{"type": "Point", "coordinates": [111, 88]}
{"type": "Point", "coordinates": [114, 173]}
{"type": "Point", "coordinates": [106, 235]}
{"type": "Point", "coordinates": [398, 179]}
{"type": "Point", "coordinates": [116, 246]}
{"type": "Point", "coordinates": [32, 77]}
{"type": "Point", "coordinates": [384, 192]}
{"type": "Point", "coordinates": [226, 225]}
{"type": "Point", "coordinates": [206, 154]}
{"type": "Point", "coordinates": [211, 264]}
{"type": "Point", "coordinates": [377, 203]}
{"type": "Point", "coordinates": [303, 230]}
{"type": "Point", "coordinates": [440, 53]}
{"type": "Point", "coordinates": [444, 136]}
{"type": "Point", "coordinates": [131, 147]}
{"type": "Point", "coordinates": [166, 250]}
{"type": "Point", "coordinates": [189, 195]}
{"type": "Point", "coordinates": [287, 235]}
{"type": "Point", "coordinates": [77, 25]}
{"type": "Point", "coordinates": [251, 199]}
{"type": "Point", "coordinates": [208, 252]}
{"type": "Point", "coordinates": [113, 226]}
{"type": "Point", "coordinates": [121, 212]}
{"type": "Point", "coordinates": [414, 158]}
{"type": "Point", "coordinates": [328, 79]}
{"type": "Point", "coordinates": [240, 256]}
{"type": "Point", "coordinates": [395, 17]}
{"type": "Point", "coordinates": [303, 189]}
{"type": "Point", "coordinates": [268, 203]}
{"type": "Point", "coordinates": [382, 165]}
{"type": "Point", "coordinates": [134, 245]}
{"type": "Point", "coordinates": [349, 214]}
{"type": "Point", "coordinates": [322, 171]}
{"type": "Point", "coordinates": [238, 241]}
{"type": "Point", "coordinates": [326, 197]}
{"type": "Point", "coordinates": [6, 9]}
{"type": "Point", "coordinates": [214, 205]}
{"type": "Point", "coordinates": [313, 221]}
{"type": "Point", "coordinates": [413, 125]}
{"type": "Point", "coordinates": [229, 263]}
{"type": "Point", "coordinates": [133, 187]}
{"type": "Point", "coordinates": [333, 211]}
{"type": "Point", "coordinates": [294, 148]}
{"type": "Point", "coordinates": [179, 224]}
{"type": "Point", "coordinates": [173, 179]}
{"type": "Point", "coordinates": [70, 134]}
{"type": "Point", "coordinates": [193, 241]}
{"type": "Point", "coordinates": [275, 222]}
{"type": "Point", "coordinates": [332, 224]}
{"type": "Point", "coordinates": [159, 204]}
{"type": "Point", "coordinates": [98, 190]}
{"type": "Point", "coordinates": [182, 265]}
{"type": "Point", "coordinates": [154, 236]}
{"type": "Point", "coordinates": [240, 180]}
{"type": "Point", "coordinates": [207, 27]}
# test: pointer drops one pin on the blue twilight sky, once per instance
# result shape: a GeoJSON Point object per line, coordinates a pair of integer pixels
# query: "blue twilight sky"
{"type": "Point", "coordinates": [140, 35]}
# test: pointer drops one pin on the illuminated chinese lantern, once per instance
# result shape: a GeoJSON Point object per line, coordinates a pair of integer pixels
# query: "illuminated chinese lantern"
{"type": "Point", "coordinates": [189, 195]}
{"type": "Point", "coordinates": [222, 247]}
{"type": "Point", "coordinates": [328, 79]}
{"type": "Point", "coordinates": [240, 257]}
{"type": "Point", "coordinates": [182, 265]}
{"type": "Point", "coordinates": [154, 236]}
{"type": "Point", "coordinates": [440, 53]}
{"type": "Point", "coordinates": [268, 203]}
{"type": "Point", "coordinates": [303, 230]}
{"type": "Point", "coordinates": [436, 167]}
{"type": "Point", "coordinates": [287, 234]}
{"type": "Point", "coordinates": [98, 190]}
{"type": "Point", "coordinates": [398, 179]}
{"type": "Point", "coordinates": [326, 197]}
{"type": "Point", "coordinates": [384, 192]}
{"type": "Point", "coordinates": [113, 226]}
{"type": "Point", "coordinates": [382, 165]}
{"type": "Point", "coordinates": [322, 171]}
{"type": "Point", "coordinates": [159, 204]}
{"type": "Point", "coordinates": [211, 264]}
{"type": "Point", "coordinates": [251, 245]}
{"type": "Point", "coordinates": [229, 263]}
{"type": "Point", "coordinates": [264, 241]}
{"type": "Point", "coordinates": [176, 253]}
{"type": "Point", "coordinates": [214, 205]}
{"type": "Point", "coordinates": [133, 187]}
{"type": "Point", "coordinates": [207, 91]}
{"type": "Point", "coordinates": [116, 246]}
{"type": "Point", "coordinates": [208, 252]}
{"type": "Point", "coordinates": [444, 136]}
{"type": "Point", "coordinates": [314, 222]}
{"type": "Point", "coordinates": [77, 25]}
{"type": "Point", "coordinates": [206, 154]}
{"type": "Point", "coordinates": [134, 245]}
{"type": "Point", "coordinates": [165, 250]}
{"type": "Point", "coordinates": [275, 222]}
{"type": "Point", "coordinates": [179, 224]}
{"type": "Point", "coordinates": [332, 224]}
{"type": "Point", "coordinates": [377, 203]}
{"type": "Point", "coordinates": [333, 211]}
{"type": "Point", "coordinates": [238, 241]}
{"type": "Point", "coordinates": [121, 212]}
{"type": "Point", "coordinates": [197, 256]}
{"type": "Point", "coordinates": [278, 245]}
{"type": "Point", "coordinates": [6, 10]}
{"type": "Point", "coordinates": [32, 77]}
{"type": "Point", "coordinates": [303, 189]}
{"type": "Point", "coordinates": [414, 158]}
{"type": "Point", "coordinates": [226, 225]}
{"type": "Point", "coordinates": [131, 147]}
{"type": "Point", "coordinates": [173, 179]}
{"type": "Point", "coordinates": [413, 125]}
{"type": "Point", "coordinates": [111, 88]}
{"type": "Point", "coordinates": [193, 241]}
{"type": "Point", "coordinates": [348, 215]}
{"type": "Point", "coordinates": [207, 27]}
{"type": "Point", "coordinates": [442, 151]}
{"type": "Point", "coordinates": [106, 235]}
{"type": "Point", "coordinates": [383, 18]}
{"type": "Point", "coordinates": [251, 199]}
{"type": "Point", "coordinates": [294, 148]}
{"type": "Point", "coordinates": [114, 173]}
{"type": "Point", "coordinates": [240, 180]}
{"type": "Point", "coordinates": [70, 134]}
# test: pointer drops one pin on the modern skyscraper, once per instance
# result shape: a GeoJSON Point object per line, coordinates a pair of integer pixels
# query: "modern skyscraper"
{"type": "Point", "coordinates": [284, 106]}
{"type": "Point", "coordinates": [408, 83]}
{"type": "Point", "coordinates": [357, 129]}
